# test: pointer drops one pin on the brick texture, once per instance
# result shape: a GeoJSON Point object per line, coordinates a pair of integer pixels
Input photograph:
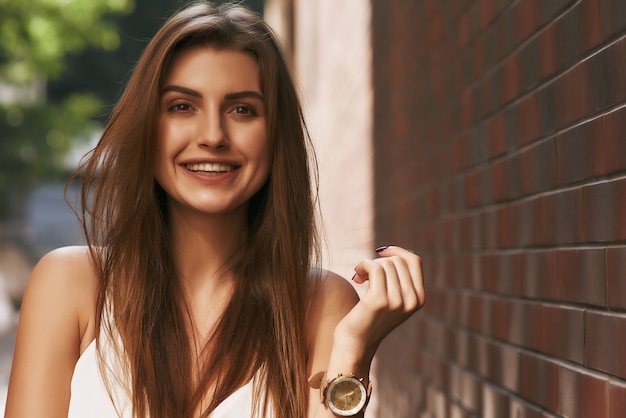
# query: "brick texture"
{"type": "Point", "coordinates": [514, 112]}
{"type": "Point", "coordinates": [487, 136]}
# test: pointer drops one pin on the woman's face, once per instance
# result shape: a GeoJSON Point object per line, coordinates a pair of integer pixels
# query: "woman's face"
{"type": "Point", "coordinates": [212, 153]}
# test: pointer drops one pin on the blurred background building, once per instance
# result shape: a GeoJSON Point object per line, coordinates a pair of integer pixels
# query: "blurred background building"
{"type": "Point", "coordinates": [486, 135]}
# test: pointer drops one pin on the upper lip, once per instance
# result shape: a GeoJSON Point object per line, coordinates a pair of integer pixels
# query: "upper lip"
{"type": "Point", "coordinates": [210, 161]}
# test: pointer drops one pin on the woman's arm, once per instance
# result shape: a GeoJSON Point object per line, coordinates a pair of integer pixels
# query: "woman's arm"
{"type": "Point", "coordinates": [346, 332]}
{"type": "Point", "coordinates": [56, 314]}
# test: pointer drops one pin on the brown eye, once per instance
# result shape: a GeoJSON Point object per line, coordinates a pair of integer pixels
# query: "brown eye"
{"type": "Point", "coordinates": [180, 107]}
{"type": "Point", "coordinates": [243, 110]}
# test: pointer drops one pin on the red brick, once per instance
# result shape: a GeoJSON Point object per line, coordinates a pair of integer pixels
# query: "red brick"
{"type": "Point", "coordinates": [488, 10]}
{"type": "Point", "coordinates": [615, 57]}
{"type": "Point", "coordinates": [463, 31]}
{"type": "Point", "coordinates": [540, 274]}
{"type": "Point", "coordinates": [548, 51]}
{"type": "Point", "coordinates": [539, 167]}
{"type": "Point", "coordinates": [569, 34]}
{"type": "Point", "coordinates": [617, 399]}
{"type": "Point", "coordinates": [495, 403]}
{"type": "Point", "coordinates": [592, 25]}
{"type": "Point", "coordinates": [581, 152]}
{"type": "Point", "coordinates": [477, 58]}
{"type": "Point", "coordinates": [471, 397]}
{"type": "Point", "coordinates": [522, 410]}
{"type": "Point", "coordinates": [526, 17]}
{"type": "Point", "coordinates": [616, 277]}
{"type": "Point", "coordinates": [582, 276]}
{"type": "Point", "coordinates": [613, 17]}
{"type": "Point", "coordinates": [499, 314]}
{"type": "Point", "coordinates": [543, 215]}
{"type": "Point", "coordinates": [562, 332]}
{"type": "Point", "coordinates": [473, 188]}
{"type": "Point", "coordinates": [511, 79]}
{"type": "Point", "coordinates": [458, 412]}
{"type": "Point", "coordinates": [615, 145]}
{"type": "Point", "coordinates": [509, 368]}
{"type": "Point", "coordinates": [511, 269]}
{"type": "Point", "coordinates": [606, 342]}
{"type": "Point", "coordinates": [489, 228]}
{"type": "Point", "coordinates": [582, 394]}
{"type": "Point", "coordinates": [604, 208]}
{"type": "Point", "coordinates": [528, 114]}
{"type": "Point", "coordinates": [497, 137]}
{"type": "Point", "coordinates": [519, 323]}
{"type": "Point", "coordinates": [540, 381]}
{"type": "Point", "coordinates": [568, 222]}
{"type": "Point", "coordinates": [572, 96]}
{"type": "Point", "coordinates": [506, 227]}
{"type": "Point", "coordinates": [459, 154]}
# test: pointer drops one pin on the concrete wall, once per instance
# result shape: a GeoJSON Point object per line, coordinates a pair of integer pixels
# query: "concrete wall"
{"type": "Point", "coordinates": [332, 63]}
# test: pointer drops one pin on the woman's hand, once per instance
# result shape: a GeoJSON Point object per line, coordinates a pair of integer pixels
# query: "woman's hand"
{"type": "Point", "coordinates": [347, 337]}
{"type": "Point", "coordinates": [395, 292]}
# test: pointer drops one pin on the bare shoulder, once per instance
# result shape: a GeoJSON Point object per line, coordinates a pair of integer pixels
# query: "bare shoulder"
{"type": "Point", "coordinates": [331, 294]}
{"type": "Point", "coordinates": [66, 272]}
{"type": "Point", "coordinates": [56, 324]}
{"type": "Point", "coordinates": [65, 279]}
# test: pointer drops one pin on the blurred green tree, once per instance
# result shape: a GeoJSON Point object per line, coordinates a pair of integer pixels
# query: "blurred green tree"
{"type": "Point", "coordinates": [36, 133]}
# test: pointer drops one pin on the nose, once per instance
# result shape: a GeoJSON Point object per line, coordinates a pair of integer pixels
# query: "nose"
{"type": "Point", "coordinates": [212, 131]}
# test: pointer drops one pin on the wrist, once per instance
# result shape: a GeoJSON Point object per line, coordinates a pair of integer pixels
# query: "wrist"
{"type": "Point", "coordinates": [350, 355]}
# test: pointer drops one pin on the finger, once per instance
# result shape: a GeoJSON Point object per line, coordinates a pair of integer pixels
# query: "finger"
{"type": "Point", "coordinates": [394, 295]}
{"type": "Point", "coordinates": [414, 263]}
{"type": "Point", "coordinates": [369, 270]}
{"type": "Point", "coordinates": [403, 281]}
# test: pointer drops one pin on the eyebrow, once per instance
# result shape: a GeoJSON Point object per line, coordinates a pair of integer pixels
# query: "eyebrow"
{"type": "Point", "coordinates": [229, 96]}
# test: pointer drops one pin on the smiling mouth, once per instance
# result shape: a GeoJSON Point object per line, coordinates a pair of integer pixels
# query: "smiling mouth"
{"type": "Point", "coordinates": [212, 169]}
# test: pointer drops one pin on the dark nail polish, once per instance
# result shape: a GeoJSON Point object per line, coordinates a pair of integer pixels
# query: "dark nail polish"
{"type": "Point", "coordinates": [380, 249]}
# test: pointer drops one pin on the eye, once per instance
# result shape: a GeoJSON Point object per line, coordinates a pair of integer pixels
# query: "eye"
{"type": "Point", "coordinates": [243, 110]}
{"type": "Point", "coordinates": [179, 107]}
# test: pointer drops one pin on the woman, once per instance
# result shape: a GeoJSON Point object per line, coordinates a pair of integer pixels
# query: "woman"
{"type": "Point", "coordinates": [197, 295]}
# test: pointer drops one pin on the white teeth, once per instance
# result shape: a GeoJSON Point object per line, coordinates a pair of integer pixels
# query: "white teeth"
{"type": "Point", "coordinates": [210, 167]}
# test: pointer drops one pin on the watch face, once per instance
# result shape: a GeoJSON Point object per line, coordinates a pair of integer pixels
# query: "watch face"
{"type": "Point", "coordinates": [346, 396]}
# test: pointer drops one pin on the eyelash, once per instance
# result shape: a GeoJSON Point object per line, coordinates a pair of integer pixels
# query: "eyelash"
{"type": "Point", "coordinates": [177, 107]}
{"type": "Point", "coordinates": [249, 111]}
{"type": "Point", "coordinates": [238, 110]}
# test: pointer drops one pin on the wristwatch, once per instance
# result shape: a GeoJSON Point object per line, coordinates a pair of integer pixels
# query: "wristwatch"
{"type": "Point", "coordinates": [345, 395]}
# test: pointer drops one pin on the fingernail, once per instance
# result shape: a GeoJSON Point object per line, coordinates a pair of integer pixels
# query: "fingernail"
{"type": "Point", "coordinates": [381, 249]}
{"type": "Point", "coordinates": [354, 277]}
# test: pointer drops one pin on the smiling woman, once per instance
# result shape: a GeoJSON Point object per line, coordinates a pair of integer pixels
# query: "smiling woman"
{"type": "Point", "coordinates": [198, 293]}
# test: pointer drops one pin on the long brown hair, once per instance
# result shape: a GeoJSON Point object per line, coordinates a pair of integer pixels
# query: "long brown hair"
{"type": "Point", "coordinates": [124, 217]}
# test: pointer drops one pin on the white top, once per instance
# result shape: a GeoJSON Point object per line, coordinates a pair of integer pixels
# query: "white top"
{"type": "Point", "coordinates": [90, 398]}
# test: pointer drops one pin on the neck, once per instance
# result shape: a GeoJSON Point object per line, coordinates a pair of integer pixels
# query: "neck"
{"type": "Point", "coordinates": [203, 244]}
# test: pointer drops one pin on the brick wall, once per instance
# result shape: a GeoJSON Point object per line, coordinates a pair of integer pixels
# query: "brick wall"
{"type": "Point", "coordinates": [500, 157]}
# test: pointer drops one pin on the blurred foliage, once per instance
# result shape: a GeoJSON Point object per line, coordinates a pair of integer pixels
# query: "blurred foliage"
{"type": "Point", "coordinates": [35, 35]}
{"type": "Point", "coordinates": [36, 133]}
